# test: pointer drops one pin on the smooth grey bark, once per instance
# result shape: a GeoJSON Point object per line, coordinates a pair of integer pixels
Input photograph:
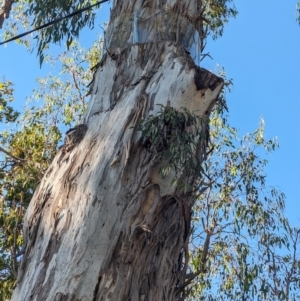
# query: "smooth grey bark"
{"type": "Point", "coordinates": [103, 223]}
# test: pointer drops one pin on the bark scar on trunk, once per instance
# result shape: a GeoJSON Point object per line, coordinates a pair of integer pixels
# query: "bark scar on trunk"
{"type": "Point", "coordinates": [73, 138]}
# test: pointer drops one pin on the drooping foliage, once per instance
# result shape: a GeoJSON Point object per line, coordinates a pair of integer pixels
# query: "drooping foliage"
{"type": "Point", "coordinates": [26, 14]}
{"type": "Point", "coordinates": [43, 12]}
{"type": "Point", "coordinates": [216, 15]}
{"type": "Point", "coordinates": [242, 247]}
{"type": "Point", "coordinates": [173, 136]}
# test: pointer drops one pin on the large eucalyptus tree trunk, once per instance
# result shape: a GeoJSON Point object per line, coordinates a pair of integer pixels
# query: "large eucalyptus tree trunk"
{"type": "Point", "coordinates": [103, 223]}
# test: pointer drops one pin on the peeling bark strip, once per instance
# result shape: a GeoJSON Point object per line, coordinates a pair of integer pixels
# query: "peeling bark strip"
{"type": "Point", "coordinates": [104, 224]}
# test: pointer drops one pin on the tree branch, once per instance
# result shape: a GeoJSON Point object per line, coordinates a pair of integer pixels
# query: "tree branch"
{"type": "Point", "coordinates": [10, 155]}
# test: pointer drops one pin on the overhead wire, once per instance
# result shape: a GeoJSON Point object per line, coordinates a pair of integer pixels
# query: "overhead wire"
{"type": "Point", "coordinates": [79, 11]}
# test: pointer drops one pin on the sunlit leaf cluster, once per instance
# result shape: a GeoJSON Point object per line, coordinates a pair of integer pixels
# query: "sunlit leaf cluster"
{"type": "Point", "coordinates": [216, 15]}
{"type": "Point", "coordinates": [66, 30]}
{"type": "Point", "coordinates": [7, 113]}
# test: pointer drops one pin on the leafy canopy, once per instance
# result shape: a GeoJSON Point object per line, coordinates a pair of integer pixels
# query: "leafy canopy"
{"type": "Point", "coordinates": [242, 246]}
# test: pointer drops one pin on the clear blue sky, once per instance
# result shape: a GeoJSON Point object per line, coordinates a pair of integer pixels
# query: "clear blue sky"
{"type": "Point", "coordinates": [260, 50]}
